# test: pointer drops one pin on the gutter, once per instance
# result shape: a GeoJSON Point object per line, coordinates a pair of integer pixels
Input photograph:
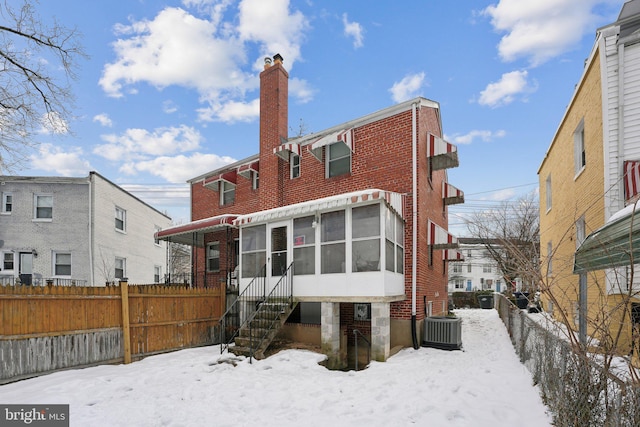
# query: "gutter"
{"type": "Point", "coordinates": [414, 216]}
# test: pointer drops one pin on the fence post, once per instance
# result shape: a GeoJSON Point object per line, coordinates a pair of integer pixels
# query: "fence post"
{"type": "Point", "coordinates": [126, 335]}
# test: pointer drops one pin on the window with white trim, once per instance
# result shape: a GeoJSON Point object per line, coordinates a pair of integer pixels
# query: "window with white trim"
{"type": "Point", "coordinates": [157, 229]}
{"type": "Point", "coordinates": [332, 242]}
{"type": "Point", "coordinates": [121, 219]}
{"type": "Point", "coordinates": [456, 267]}
{"type": "Point", "coordinates": [213, 256]}
{"type": "Point", "coordinates": [365, 235]}
{"type": "Point", "coordinates": [8, 261]}
{"type": "Point", "coordinates": [43, 206]}
{"type": "Point", "coordinates": [338, 159]}
{"type": "Point", "coordinates": [580, 231]}
{"type": "Point", "coordinates": [458, 284]}
{"type": "Point", "coordinates": [255, 180]}
{"type": "Point", "coordinates": [7, 203]}
{"type": "Point", "coordinates": [304, 245]}
{"type": "Point", "coordinates": [254, 250]}
{"type": "Point", "coordinates": [548, 191]}
{"type": "Point", "coordinates": [294, 165]}
{"type": "Point", "coordinates": [486, 268]}
{"type": "Point", "coordinates": [227, 193]}
{"type": "Point", "coordinates": [120, 268]}
{"type": "Point", "coordinates": [157, 272]}
{"type": "Point", "coordinates": [549, 258]}
{"type": "Point", "coordinates": [469, 268]}
{"type": "Point", "coordinates": [394, 242]}
{"type": "Point", "coordinates": [62, 264]}
{"type": "Point", "coordinates": [580, 156]}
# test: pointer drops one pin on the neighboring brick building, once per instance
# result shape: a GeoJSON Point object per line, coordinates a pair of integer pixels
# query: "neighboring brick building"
{"type": "Point", "coordinates": [582, 190]}
{"type": "Point", "coordinates": [82, 231]}
{"type": "Point", "coordinates": [339, 205]}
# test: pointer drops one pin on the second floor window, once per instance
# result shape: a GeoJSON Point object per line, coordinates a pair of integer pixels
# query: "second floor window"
{"type": "Point", "coordinates": [227, 193]}
{"type": "Point", "coordinates": [7, 203]}
{"type": "Point", "coordinates": [338, 159]}
{"type": "Point", "coordinates": [486, 268]}
{"type": "Point", "coordinates": [294, 163]}
{"type": "Point", "coordinates": [548, 191]}
{"type": "Point", "coordinates": [121, 219]}
{"type": "Point", "coordinates": [580, 156]}
{"type": "Point", "coordinates": [43, 206]}
{"type": "Point", "coordinates": [457, 268]}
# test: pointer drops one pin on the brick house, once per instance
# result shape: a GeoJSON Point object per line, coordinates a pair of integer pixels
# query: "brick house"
{"type": "Point", "coordinates": [358, 210]}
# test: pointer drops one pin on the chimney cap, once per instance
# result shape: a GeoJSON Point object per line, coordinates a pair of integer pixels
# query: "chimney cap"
{"type": "Point", "coordinates": [278, 58]}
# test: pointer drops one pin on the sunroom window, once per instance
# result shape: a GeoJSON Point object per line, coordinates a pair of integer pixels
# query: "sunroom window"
{"type": "Point", "coordinates": [304, 250]}
{"type": "Point", "coordinates": [365, 247]}
{"type": "Point", "coordinates": [394, 235]}
{"type": "Point", "coordinates": [332, 244]}
{"type": "Point", "coordinates": [254, 250]}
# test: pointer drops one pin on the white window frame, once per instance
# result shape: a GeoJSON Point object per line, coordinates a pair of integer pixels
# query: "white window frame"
{"type": "Point", "coordinates": [255, 180]}
{"type": "Point", "coordinates": [123, 262]}
{"type": "Point", "coordinates": [226, 188]}
{"type": "Point", "coordinates": [329, 161]}
{"type": "Point", "coordinates": [54, 261]}
{"type": "Point", "coordinates": [330, 239]}
{"type": "Point", "coordinates": [294, 166]}
{"type": "Point", "coordinates": [486, 268]}
{"type": "Point", "coordinates": [210, 246]}
{"type": "Point", "coordinates": [122, 218]}
{"type": "Point", "coordinates": [7, 203]}
{"type": "Point", "coordinates": [156, 241]}
{"type": "Point", "coordinates": [549, 258]}
{"type": "Point", "coordinates": [581, 231]}
{"type": "Point", "coordinates": [36, 199]}
{"type": "Point", "coordinates": [3, 260]}
{"type": "Point", "coordinates": [456, 267]}
{"type": "Point", "coordinates": [579, 151]}
{"type": "Point", "coordinates": [548, 192]}
{"type": "Point", "coordinates": [367, 238]}
{"type": "Point", "coordinates": [157, 273]}
{"type": "Point", "coordinates": [458, 284]}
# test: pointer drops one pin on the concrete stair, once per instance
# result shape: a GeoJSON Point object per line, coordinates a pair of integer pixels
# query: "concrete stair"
{"type": "Point", "coordinates": [262, 329]}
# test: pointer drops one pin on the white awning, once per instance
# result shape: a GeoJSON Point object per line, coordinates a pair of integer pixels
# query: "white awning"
{"type": "Point", "coordinates": [440, 238]}
{"type": "Point", "coordinates": [443, 154]}
{"type": "Point", "coordinates": [451, 195]}
{"type": "Point", "coordinates": [391, 199]}
{"type": "Point", "coordinates": [212, 182]}
{"type": "Point", "coordinates": [245, 171]}
{"type": "Point", "coordinates": [344, 135]}
{"type": "Point", "coordinates": [284, 150]}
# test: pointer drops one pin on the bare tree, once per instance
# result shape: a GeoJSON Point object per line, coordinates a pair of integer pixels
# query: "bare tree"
{"type": "Point", "coordinates": [511, 236]}
{"type": "Point", "coordinates": [32, 93]}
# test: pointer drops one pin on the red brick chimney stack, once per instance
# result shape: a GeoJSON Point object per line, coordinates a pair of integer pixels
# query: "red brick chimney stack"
{"type": "Point", "coordinates": [274, 125]}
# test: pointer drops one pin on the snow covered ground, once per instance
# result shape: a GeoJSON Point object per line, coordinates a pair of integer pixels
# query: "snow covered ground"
{"type": "Point", "coordinates": [483, 385]}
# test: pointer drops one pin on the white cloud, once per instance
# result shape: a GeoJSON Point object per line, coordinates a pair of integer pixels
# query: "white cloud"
{"type": "Point", "coordinates": [502, 195]}
{"type": "Point", "coordinates": [103, 119]}
{"type": "Point", "coordinates": [505, 90]}
{"type": "Point", "coordinates": [301, 90]}
{"type": "Point", "coordinates": [169, 107]}
{"type": "Point", "coordinates": [484, 135]}
{"type": "Point", "coordinates": [354, 30]}
{"type": "Point", "coordinates": [140, 143]}
{"type": "Point", "coordinates": [178, 169]}
{"type": "Point", "coordinates": [50, 158]}
{"type": "Point", "coordinates": [230, 112]}
{"type": "Point", "coordinates": [407, 88]}
{"type": "Point", "coordinates": [207, 54]}
{"type": "Point", "coordinates": [542, 29]}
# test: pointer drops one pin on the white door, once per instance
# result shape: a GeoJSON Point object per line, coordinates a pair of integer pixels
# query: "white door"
{"type": "Point", "coordinates": [26, 268]}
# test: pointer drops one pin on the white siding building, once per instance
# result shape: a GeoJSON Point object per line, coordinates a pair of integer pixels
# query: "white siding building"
{"type": "Point", "coordinates": [84, 231]}
{"type": "Point", "coordinates": [477, 272]}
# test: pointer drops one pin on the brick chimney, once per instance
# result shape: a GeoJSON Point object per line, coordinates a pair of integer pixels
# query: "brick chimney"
{"type": "Point", "coordinates": [274, 125]}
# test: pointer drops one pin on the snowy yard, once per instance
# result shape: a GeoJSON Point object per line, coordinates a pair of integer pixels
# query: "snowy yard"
{"type": "Point", "coordinates": [483, 385]}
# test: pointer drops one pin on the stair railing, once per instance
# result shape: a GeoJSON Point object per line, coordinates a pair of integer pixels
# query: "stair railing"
{"type": "Point", "coordinates": [280, 296]}
{"type": "Point", "coordinates": [356, 332]}
{"type": "Point", "coordinates": [230, 323]}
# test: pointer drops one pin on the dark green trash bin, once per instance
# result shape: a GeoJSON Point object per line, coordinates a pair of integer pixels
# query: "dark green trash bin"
{"type": "Point", "coordinates": [522, 299]}
{"type": "Point", "coordinates": [485, 301]}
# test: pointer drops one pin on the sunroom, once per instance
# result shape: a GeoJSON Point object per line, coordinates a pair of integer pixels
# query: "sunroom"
{"type": "Point", "coordinates": [348, 247]}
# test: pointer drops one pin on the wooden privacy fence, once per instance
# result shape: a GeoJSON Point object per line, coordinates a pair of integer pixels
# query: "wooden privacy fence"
{"type": "Point", "coordinates": [48, 328]}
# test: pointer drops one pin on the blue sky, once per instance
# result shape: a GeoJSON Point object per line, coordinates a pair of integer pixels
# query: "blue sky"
{"type": "Point", "coordinates": [170, 88]}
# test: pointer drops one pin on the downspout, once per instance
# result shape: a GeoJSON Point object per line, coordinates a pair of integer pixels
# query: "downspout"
{"type": "Point", "coordinates": [91, 272]}
{"type": "Point", "coordinates": [621, 70]}
{"type": "Point", "coordinates": [414, 216]}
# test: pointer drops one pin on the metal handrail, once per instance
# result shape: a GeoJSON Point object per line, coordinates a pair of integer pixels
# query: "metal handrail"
{"type": "Point", "coordinates": [281, 293]}
{"type": "Point", "coordinates": [355, 334]}
{"type": "Point", "coordinates": [257, 284]}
